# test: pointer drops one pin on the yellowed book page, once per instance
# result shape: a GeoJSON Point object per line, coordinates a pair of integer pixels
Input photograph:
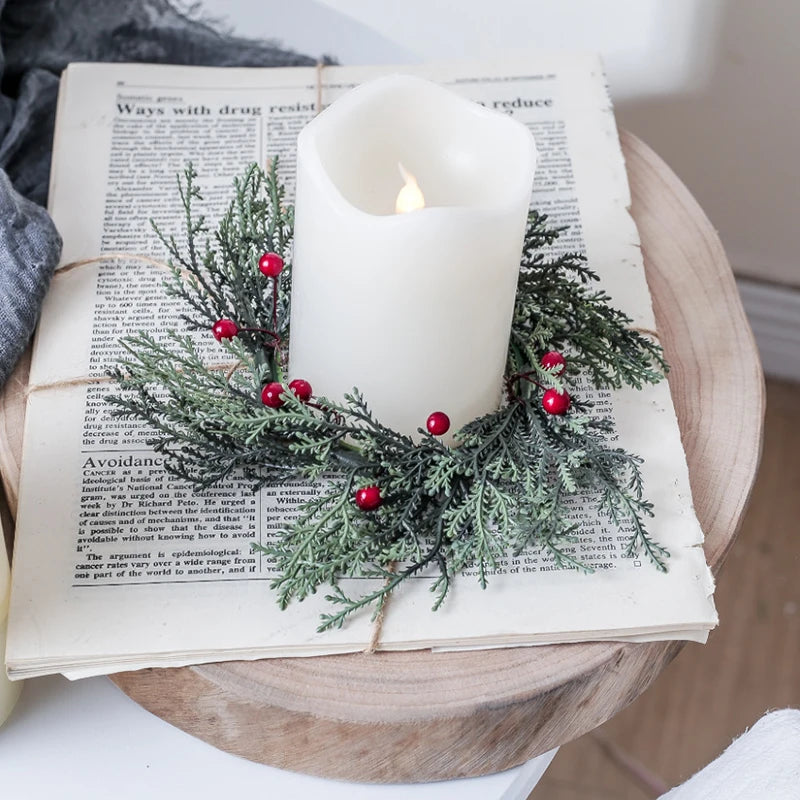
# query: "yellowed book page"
{"type": "Point", "coordinates": [117, 565]}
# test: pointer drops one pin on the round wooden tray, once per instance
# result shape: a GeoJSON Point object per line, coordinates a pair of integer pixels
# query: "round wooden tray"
{"type": "Point", "coordinates": [421, 717]}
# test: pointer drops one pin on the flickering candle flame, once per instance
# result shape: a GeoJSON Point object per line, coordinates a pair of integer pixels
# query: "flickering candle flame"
{"type": "Point", "coordinates": [410, 197]}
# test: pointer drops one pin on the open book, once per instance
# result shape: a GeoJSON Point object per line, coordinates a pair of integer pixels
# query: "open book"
{"type": "Point", "coordinates": [119, 566]}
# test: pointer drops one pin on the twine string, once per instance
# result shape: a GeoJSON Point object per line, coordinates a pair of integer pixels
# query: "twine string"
{"type": "Point", "coordinates": [230, 366]}
{"type": "Point", "coordinates": [83, 380]}
{"type": "Point", "coordinates": [377, 625]}
{"type": "Point", "coordinates": [86, 262]}
{"type": "Point", "coordinates": [647, 332]}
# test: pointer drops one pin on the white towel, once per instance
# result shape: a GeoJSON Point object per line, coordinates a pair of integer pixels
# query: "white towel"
{"type": "Point", "coordinates": [762, 764]}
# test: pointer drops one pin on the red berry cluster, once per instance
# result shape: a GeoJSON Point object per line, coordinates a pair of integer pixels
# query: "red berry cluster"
{"type": "Point", "coordinates": [272, 393]}
{"type": "Point", "coordinates": [553, 401]}
{"type": "Point", "coordinates": [271, 265]}
{"type": "Point", "coordinates": [368, 498]}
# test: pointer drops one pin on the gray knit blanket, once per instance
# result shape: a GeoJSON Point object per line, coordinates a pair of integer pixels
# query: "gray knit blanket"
{"type": "Point", "coordinates": [38, 38]}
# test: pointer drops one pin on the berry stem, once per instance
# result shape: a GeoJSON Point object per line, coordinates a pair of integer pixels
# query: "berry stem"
{"type": "Point", "coordinates": [274, 363]}
{"type": "Point", "coordinates": [279, 374]}
{"type": "Point", "coordinates": [275, 302]}
{"type": "Point", "coordinates": [518, 376]}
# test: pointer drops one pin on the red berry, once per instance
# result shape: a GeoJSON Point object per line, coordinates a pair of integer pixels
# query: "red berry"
{"type": "Point", "coordinates": [271, 395]}
{"type": "Point", "coordinates": [224, 329]}
{"type": "Point", "coordinates": [554, 361]}
{"type": "Point", "coordinates": [369, 498]}
{"type": "Point", "coordinates": [438, 423]}
{"type": "Point", "coordinates": [270, 264]}
{"type": "Point", "coordinates": [555, 402]}
{"type": "Point", "coordinates": [302, 389]}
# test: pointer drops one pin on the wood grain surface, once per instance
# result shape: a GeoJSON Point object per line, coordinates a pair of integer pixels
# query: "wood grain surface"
{"type": "Point", "coordinates": [420, 716]}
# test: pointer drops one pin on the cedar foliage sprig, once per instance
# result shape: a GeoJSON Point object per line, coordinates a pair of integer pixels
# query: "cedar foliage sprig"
{"type": "Point", "coordinates": [508, 486]}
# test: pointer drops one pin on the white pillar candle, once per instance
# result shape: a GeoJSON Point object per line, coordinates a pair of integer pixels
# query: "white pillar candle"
{"type": "Point", "coordinates": [412, 308]}
{"type": "Point", "coordinates": [9, 692]}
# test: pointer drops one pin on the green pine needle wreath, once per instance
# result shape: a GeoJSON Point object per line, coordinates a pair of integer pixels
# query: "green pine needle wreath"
{"type": "Point", "coordinates": [506, 487]}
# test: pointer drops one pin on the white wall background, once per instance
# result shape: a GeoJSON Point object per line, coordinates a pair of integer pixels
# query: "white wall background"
{"type": "Point", "coordinates": [712, 85]}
